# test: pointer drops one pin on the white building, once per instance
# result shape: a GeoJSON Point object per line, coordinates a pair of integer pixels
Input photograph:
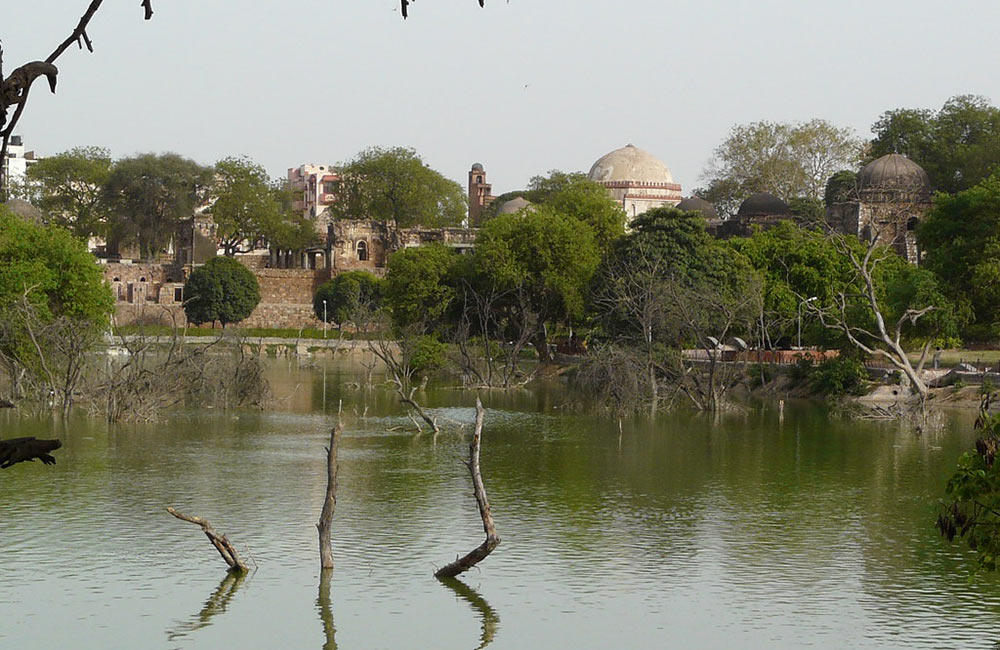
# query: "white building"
{"type": "Point", "coordinates": [636, 179]}
{"type": "Point", "coordinates": [16, 164]}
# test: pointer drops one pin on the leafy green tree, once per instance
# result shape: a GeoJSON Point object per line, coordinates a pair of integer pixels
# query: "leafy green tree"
{"type": "Point", "coordinates": [796, 264]}
{"type": "Point", "coordinates": [71, 188]}
{"type": "Point", "coordinates": [245, 205]}
{"type": "Point", "coordinates": [972, 510]}
{"type": "Point", "coordinates": [788, 160]}
{"type": "Point", "coordinates": [148, 195]}
{"type": "Point", "coordinates": [808, 210]}
{"type": "Point", "coordinates": [840, 187]}
{"type": "Point", "coordinates": [799, 265]}
{"type": "Point", "coordinates": [542, 262]}
{"type": "Point", "coordinates": [395, 186]}
{"type": "Point", "coordinates": [419, 290]}
{"type": "Point", "coordinates": [958, 146]}
{"type": "Point", "coordinates": [576, 196]}
{"type": "Point", "coordinates": [221, 290]}
{"type": "Point", "coordinates": [960, 240]}
{"type": "Point", "coordinates": [288, 228]}
{"type": "Point", "coordinates": [53, 304]}
{"type": "Point", "coordinates": [348, 296]}
{"type": "Point", "coordinates": [53, 270]}
{"type": "Point", "coordinates": [669, 285]}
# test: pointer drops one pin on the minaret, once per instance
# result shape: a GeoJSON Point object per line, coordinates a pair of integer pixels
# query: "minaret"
{"type": "Point", "coordinates": [480, 194]}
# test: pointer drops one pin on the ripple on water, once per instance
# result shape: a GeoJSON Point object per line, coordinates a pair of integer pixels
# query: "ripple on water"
{"type": "Point", "coordinates": [678, 535]}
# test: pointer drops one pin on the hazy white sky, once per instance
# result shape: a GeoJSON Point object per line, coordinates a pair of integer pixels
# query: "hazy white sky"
{"type": "Point", "coordinates": [522, 86]}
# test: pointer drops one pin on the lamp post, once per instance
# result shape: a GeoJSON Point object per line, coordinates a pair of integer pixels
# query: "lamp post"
{"type": "Point", "coordinates": [324, 319]}
{"type": "Point", "coordinates": [800, 319]}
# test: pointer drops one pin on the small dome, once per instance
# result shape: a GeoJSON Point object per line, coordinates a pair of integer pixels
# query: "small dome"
{"type": "Point", "coordinates": [697, 204]}
{"type": "Point", "coordinates": [762, 204]}
{"type": "Point", "coordinates": [630, 163]}
{"type": "Point", "coordinates": [894, 172]}
{"type": "Point", "coordinates": [514, 205]}
{"type": "Point", "coordinates": [25, 210]}
{"type": "Point", "coordinates": [477, 167]}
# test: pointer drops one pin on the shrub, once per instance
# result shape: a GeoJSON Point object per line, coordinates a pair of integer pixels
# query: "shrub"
{"type": "Point", "coordinates": [802, 370]}
{"type": "Point", "coordinates": [839, 376]}
{"type": "Point", "coordinates": [425, 354]}
{"type": "Point", "coordinates": [222, 290]}
{"type": "Point", "coordinates": [347, 296]}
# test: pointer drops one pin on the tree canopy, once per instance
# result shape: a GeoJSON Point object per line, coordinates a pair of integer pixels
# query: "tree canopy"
{"type": "Point", "coordinates": [551, 255]}
{"type": "Point", "coordinates": [973, 493]}
{"type": "Point", "coordinates": [53, 270]}
{"type": "Point", "coordinates": [960, 240]}
{"type": "Point", "coordinates": [958, 146]}
{"type": "Point", "coordinates": [222, 290]}
{"type": "Point", "coordinates": [245, 204]}
{"type": "Point", "coordinates": [148, 195]}
{"type": "Point", "coordinates": [348, 296]}
{"type": "Point", "coordinates": [419, 286]}
{"type": "Point", "coordinates": [395, 186]}
{"type": "Point", "coordinates": [54, 304]}
{"type": "Point", "coordinates": [788, 160]}
{"type": "Point", "coordinates": [71, 189]}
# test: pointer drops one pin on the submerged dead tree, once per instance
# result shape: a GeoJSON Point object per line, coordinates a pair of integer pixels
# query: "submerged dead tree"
{"type": "Point", "coordinates": [220, 542]}
{"type": "Point", "coordinates": [481, 552]}
{"type": "Point", "coordinates": [330, 502]}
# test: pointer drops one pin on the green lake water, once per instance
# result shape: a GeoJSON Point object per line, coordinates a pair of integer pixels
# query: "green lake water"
{"type": "Point", "coordinates": [684, 531]}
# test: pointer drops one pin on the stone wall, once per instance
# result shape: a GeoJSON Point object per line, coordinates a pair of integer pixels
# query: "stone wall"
{"type": "Point", "coordinates": [286, 297]}
{"type": "Point", "coordinates": [289, 286]}
{"type": "Point", "coordinates": [139, 284]}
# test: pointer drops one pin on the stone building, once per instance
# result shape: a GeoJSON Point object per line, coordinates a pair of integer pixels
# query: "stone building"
{"type": "Point", "coordinates": [636, 179]}
{"type": "Point", "coordinates": [893, 193]}
{"type": "Point", "coordinates": [706, 209]}
{"type": "Point", "coordinates": [761, 210]}
{"type": "Point", "coordinates": [366, 245]}
{"type": "Point", "coordinates": [515, 205]}
{"type": "Point", "coordinates": [480, 195]}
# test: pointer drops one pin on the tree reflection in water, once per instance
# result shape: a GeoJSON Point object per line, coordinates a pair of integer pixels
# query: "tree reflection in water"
{"type": "Point", "coordinates": [216, 604]}
{"type": "Point", "coordinates": [325, 611]}
{"type": "Point", "coordinates": [490, 618]}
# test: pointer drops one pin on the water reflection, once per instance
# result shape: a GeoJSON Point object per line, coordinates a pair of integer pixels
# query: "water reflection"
{"type": "Point", "coordinates": [325, 611]}
{"type": "Point", "coordinates": [216, 604]}
{"type": "Point", "coordinates": [489, 616]}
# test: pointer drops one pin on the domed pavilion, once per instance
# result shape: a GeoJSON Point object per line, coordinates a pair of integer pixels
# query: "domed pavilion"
{"type": "Point", "coordinates": [636, 179]}
{"type": "Point", "coordinates": [761, 209]}
{"type": "Point", "coordinates": [893, 193]}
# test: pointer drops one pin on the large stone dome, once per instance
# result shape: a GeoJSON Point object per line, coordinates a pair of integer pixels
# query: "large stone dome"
{"type": "Point", "coordinates": [630, 164]}
{"type": "Point", "coordinates": [763, 204]}
{"type": "Point", "coordinates": [893, 172]}
{"type": "Point", "coordinates": [26, 211]}
{"type": "Point", "coordinates": [515, 205]}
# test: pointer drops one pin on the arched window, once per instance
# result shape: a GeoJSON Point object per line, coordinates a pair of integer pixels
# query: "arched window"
{"type": "Point", "coordinates": [362, 250]}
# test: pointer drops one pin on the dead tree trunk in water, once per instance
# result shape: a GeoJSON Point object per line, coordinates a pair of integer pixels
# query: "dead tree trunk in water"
{"type": "Point", "coordinates": [478, 554]}
{"type": "Point", "coordinates": [221, 544]}
{"type": "Point", "coordinates": [330, 503]}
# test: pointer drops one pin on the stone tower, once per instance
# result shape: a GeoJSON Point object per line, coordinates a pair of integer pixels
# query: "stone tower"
{"type": "Point", "coordinates": [480, 195]}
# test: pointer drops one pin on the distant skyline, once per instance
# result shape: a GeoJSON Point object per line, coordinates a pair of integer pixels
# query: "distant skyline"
{"type": "Point", "coordinates": [520, 86]}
